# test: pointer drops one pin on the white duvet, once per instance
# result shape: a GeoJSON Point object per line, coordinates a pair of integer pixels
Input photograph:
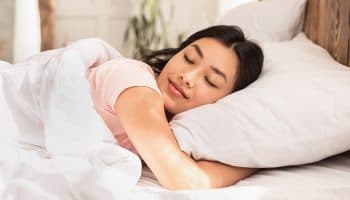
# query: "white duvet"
{"type": "Point", "coordinates": [53, 144]}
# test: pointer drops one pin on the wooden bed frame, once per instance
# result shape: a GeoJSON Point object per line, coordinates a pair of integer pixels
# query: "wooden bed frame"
{"type": "Point", "coordinates": [327, 23]}
{"type": "Point", "coordinates": [47, 24]}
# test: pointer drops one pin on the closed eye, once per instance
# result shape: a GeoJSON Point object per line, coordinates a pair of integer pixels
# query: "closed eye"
{"type": "Point", "coordinates": [188, 60]}
{"type": "Point", "coordinates": [210, 83]}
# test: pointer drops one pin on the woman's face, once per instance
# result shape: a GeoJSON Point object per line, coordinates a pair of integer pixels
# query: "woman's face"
{"type": "Point", "coordinates": [202, 73]}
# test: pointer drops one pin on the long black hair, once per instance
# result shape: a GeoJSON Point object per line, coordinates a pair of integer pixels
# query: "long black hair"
{"type": "Point", "coordinates": [249, 53]}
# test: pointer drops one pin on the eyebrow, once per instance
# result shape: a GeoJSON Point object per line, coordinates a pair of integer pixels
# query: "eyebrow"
{"type": "Point", "coordinates": [198, 50]}
{"type": "Point", "coordinates": [216, 70]}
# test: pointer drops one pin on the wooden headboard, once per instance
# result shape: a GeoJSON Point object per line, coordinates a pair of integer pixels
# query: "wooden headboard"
{"type": "Point", "coordinates": [327, 23]}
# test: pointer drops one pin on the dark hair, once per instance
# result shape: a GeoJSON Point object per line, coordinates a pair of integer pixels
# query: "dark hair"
{"type": "Point", "coordinates": [249, 53]}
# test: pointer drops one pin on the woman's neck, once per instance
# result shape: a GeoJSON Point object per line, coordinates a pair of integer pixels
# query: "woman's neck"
{"type": "Point", "coordinates": [168, 115]}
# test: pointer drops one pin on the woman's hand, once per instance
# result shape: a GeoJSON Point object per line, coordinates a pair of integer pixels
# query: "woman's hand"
{"type": "Point", "coordinates": [141, 112]}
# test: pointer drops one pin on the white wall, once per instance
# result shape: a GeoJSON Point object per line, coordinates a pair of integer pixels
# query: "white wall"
{"type": "Point", "coordinates": [79, 19]}
{"type": "Point", "coordinates": [107, 19]}
{"type": "Point", "coordinates": [191, 16]}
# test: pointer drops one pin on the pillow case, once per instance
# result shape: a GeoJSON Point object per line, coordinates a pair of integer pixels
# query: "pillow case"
{"type": "Point", "coordinates": [267, 20]}
{"type": "Point", "coordinates": [297, 112]}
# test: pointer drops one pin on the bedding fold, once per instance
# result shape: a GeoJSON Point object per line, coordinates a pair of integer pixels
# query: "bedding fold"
{"type": "Point", "coordinates": [58, 146]}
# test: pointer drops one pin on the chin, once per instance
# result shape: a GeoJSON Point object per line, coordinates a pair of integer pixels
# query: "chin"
{"type": "Point", "coordinates": [171, 111]}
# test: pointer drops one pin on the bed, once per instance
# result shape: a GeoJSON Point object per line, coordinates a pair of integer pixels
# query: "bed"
{"type": "Point", "coordinates": [326, 23]}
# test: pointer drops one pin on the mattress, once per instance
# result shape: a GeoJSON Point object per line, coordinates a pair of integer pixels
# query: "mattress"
{"type": "Point", "coordinates": [326, 179]}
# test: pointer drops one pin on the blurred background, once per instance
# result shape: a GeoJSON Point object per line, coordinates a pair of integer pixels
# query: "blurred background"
{"type": "Point", "coordinates": [131, 26]}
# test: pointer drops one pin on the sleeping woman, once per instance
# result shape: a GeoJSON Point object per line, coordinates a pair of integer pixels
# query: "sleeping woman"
{"type": "Point", "coordinates": [138, 100]}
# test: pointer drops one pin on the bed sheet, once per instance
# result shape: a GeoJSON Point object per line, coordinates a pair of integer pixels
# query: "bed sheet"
{"type": "Point", "coordinates": [327, 179]}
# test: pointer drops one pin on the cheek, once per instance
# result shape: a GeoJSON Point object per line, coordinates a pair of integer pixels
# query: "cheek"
{"type": "Point", "coordinates": [163, 76]}
{"type": "Point", "coordinates": [204, 96]}
{"type": "Point", "coordinates": [164, 73]}
{"type": "Point", "coordinates": [167, 72]}
{"type": "Point", "coordinates": [174, 65]}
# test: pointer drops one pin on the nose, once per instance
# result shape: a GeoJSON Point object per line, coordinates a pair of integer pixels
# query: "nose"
{"type": "Point", "coordinates": [186, 79]}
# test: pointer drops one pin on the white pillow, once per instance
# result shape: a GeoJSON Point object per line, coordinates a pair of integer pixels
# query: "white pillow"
{"type": "Point", "coordinates": [267, 20]}
{"type": "Point", "coordinates": [297, 112]}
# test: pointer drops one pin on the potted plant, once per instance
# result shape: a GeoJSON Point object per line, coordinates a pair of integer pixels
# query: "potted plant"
{"type": "Point", "coordinates": [148, 29]}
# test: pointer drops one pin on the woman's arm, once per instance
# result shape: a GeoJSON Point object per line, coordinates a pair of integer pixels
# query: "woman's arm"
{"type": "Point", "coordinates": [141, 112]}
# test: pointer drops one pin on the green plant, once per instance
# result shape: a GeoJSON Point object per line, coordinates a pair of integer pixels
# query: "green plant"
{"type": "Point", "coordinates": [148, 29]}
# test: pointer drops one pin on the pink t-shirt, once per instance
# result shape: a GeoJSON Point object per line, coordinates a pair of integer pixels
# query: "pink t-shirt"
{"type": "Point", "coordinates": [107, 82]}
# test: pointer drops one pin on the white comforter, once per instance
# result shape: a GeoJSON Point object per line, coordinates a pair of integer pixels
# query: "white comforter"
{"type": "Point", "coordinates": [53, 144]}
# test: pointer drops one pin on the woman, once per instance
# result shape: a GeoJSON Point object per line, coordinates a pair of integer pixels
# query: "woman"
{"type": "Point", "coordinates": [209, 65]}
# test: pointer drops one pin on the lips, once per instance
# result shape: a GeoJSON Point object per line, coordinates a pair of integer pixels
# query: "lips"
{"type": "Point", "coordinates": [177, 90]}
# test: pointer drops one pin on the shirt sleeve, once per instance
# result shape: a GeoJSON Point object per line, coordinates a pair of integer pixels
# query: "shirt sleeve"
{"type": "Point", "coordinates": [110, 79]}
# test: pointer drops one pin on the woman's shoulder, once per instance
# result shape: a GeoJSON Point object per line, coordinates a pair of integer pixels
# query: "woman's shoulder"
{"type": "Point", "coordinates": [128, 64]}
{"type": "Point", "coordinates": [121, 67]}
{"type": "Point", "coordinates": [110, 79]}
